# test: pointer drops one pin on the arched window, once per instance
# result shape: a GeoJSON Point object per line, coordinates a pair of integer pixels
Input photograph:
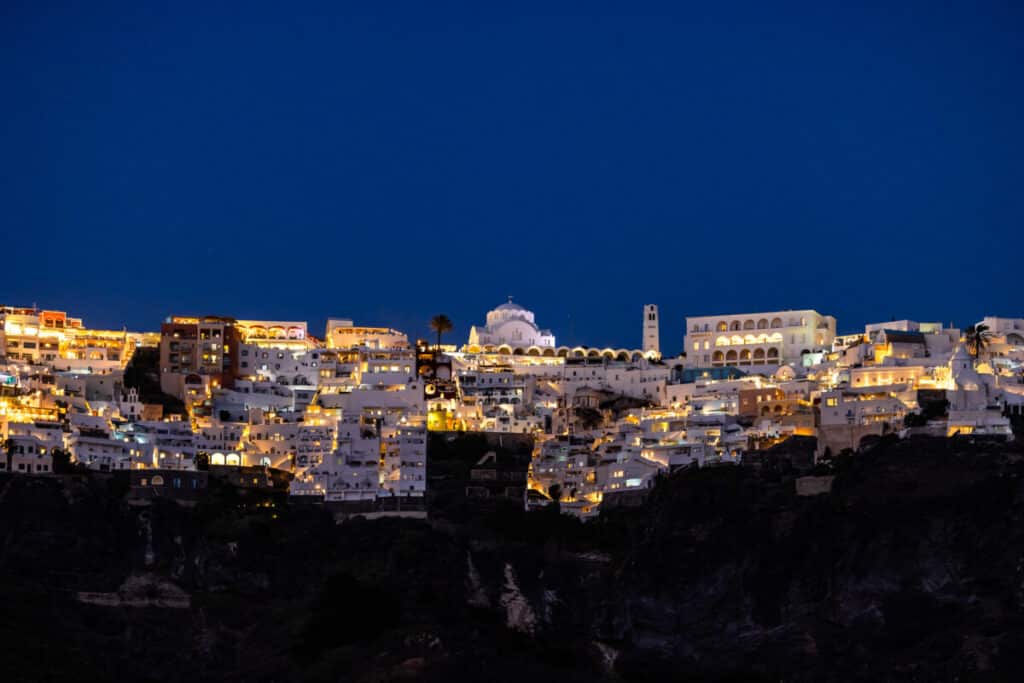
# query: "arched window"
{"type": "Point", "coordinates": [773, 354]}
{"type": "Point", "coordinates": [722, 326]}
{"type": "Point", "coordinates": [717, 357]}
{"type": "Point", "coordinates": [748, 324]}
{"type": "Point", "coordinates": [734, 326]}
{"type": "Point", "coordinates": [745, 356]}
{"type": "Point", "coordinates": [730, 357]}
{"type": "Point", "coordinates": [776, 322]}
{"type": "Point", "coordinates": [157, 481]}
{"type": "Point", "coordinates": [762, 324]}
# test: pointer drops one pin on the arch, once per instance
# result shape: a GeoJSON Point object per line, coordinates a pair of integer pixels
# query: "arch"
{"type": "Point", "coordinates": [731, 357]}
{"type": "Point", "coordinates": [505, 350]}
{"type": "Point", "coordinates": [157, 480]}
{"type": "Point", "coordinates": [518, 351]}
{"type": "Point", "coordinates": [490, 348]}
{"type": "Point", "coordinates": [762, 324]}
{"type": "Point", "coordinates": [217, 459]}
{"type": "Point", "coordinates": [623, 356]}
{"type": "Point", "coordinates": [773, 354]}
{"type": "Point", "coordinates": [636, 355]}
{"type": "Point", "coordinates": [277, 332]}
{"type": "Point", "coordinates": [722, 326]}
{"type": "Point", "coordinates": [718, 357]}
{"type": "Point", "coordinates": [233, 459]}
{"type": "Point", "coordinates": [758, 356]}
{"type": "Point", "coordinates": [736, 339]}
{"type": "Point", "coordinates": [745, 357]}
{"type": "Point", "coordinates": [257, 332]}
{"type": "Point", "coordinates": [562, 352]}
{"type": "Point", "coordinates": [533, 351]}
{"type": "Point", "coordinates": [776, 322]}
{"type": "Point", "coordinates": [722, 341]}
{"type": "Point", "coordinates": [264, 461]}
{"type": "Point", "coordinates": [766, 410]}
{"type": "Point", "coordinates": [472, 348]}
{"type": "Point", "coordinates": [608, 353]}
{"type": "Point", "coordinates": [734, 326]}
{"type": "Point", "coordinates": [749, 339]}
{"type": "Point", "coordinates": [593, 353]}
{"type": "Point", "coordinates": [1014, 339]}
{"type": "Point", "coordinates": [548, 352]}
{"type": "Point", "coordinates": [295, 333]}
{"type": "Point", "coordinates": [778, 408]}
{"type": "Point", "coordinates": [748, 324]}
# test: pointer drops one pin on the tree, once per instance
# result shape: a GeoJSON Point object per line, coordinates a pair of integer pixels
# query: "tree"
{"type": "Point", "coordinates": [555, 491]}
{"type": "Point", "coordinates": [977, 338]}
{"type": "Point", "coordinates": [440, 323]}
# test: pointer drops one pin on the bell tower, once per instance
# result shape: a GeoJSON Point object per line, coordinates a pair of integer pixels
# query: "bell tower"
{"type": "Point", "coordinates": [652, 338]}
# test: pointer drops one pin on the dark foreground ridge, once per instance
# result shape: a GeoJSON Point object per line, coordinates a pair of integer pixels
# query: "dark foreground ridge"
{"type": "Point", "coordinates": [912, 568]}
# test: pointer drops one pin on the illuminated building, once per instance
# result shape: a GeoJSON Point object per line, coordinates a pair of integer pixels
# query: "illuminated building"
{"type": "Point", "coordinates": [774, 338]}
{"type": "Point", "coordinates": [510, 325]}
{"type": "Point", "coordinates": [31, 335]}
{"type": "Point", "coordinates": [342, 334]}
{"type": "Point", "coordinates": [651, 336]}
{"type": "Point", "coordinates": [26, 455]}
{"type": "Point", "coordinates": [197, 353]}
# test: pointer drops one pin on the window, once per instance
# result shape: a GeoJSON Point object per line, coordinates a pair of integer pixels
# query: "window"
{"type": "Point", "coordinates": [832, 401]}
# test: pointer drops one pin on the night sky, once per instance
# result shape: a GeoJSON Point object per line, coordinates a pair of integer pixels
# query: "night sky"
{"type": "Point", "coordinates": [390, 161]}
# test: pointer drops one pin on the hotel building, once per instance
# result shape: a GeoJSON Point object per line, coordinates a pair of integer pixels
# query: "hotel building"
{"type": "Point", "coordinates": [774, 338]}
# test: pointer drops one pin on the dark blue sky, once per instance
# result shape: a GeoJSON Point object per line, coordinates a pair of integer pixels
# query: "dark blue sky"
{"type": "Point", "coordinates": [388, 161]}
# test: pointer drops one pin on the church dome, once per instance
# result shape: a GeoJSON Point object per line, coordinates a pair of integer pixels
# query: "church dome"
{"type": "Point", "coordinates": [509, 306]}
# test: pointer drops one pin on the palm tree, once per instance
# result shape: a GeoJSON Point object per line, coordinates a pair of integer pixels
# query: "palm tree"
{"type": "Point", "coordinates": [440, 323]}
{"type": "Point", "coordinates": [977, 338]}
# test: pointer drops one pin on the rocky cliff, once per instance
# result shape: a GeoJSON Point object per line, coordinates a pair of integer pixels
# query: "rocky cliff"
{"type": "Point", "coordinates": [912, 568]}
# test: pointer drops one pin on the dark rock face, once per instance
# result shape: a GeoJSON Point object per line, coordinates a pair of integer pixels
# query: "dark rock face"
{"type": "Point", "coordinates": [912, 568]}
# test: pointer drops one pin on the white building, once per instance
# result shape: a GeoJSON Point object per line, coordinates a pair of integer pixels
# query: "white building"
{"type": "Point", "coordinates": [773, 338]}
{"type": "Point", "coordinates": [26, 455]}
{"type": "Point", "coordinates": [651, 337]}
{"type": "Point", "coordinates": [510, 325]}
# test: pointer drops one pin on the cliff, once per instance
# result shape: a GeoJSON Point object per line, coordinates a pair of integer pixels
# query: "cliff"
{"type": "Point", "coordinates": [911, 568]}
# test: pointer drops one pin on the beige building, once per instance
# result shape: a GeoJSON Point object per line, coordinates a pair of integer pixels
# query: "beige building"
{"type": "Point", "coordinates": [772, 338]}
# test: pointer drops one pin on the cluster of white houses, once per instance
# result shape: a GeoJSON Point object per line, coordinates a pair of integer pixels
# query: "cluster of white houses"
{"type": "Point", "coordinates": [347, 416]}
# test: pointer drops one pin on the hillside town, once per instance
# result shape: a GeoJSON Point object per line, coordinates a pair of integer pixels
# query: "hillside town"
{"type": "Point", "coordinates": [345, 419]}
